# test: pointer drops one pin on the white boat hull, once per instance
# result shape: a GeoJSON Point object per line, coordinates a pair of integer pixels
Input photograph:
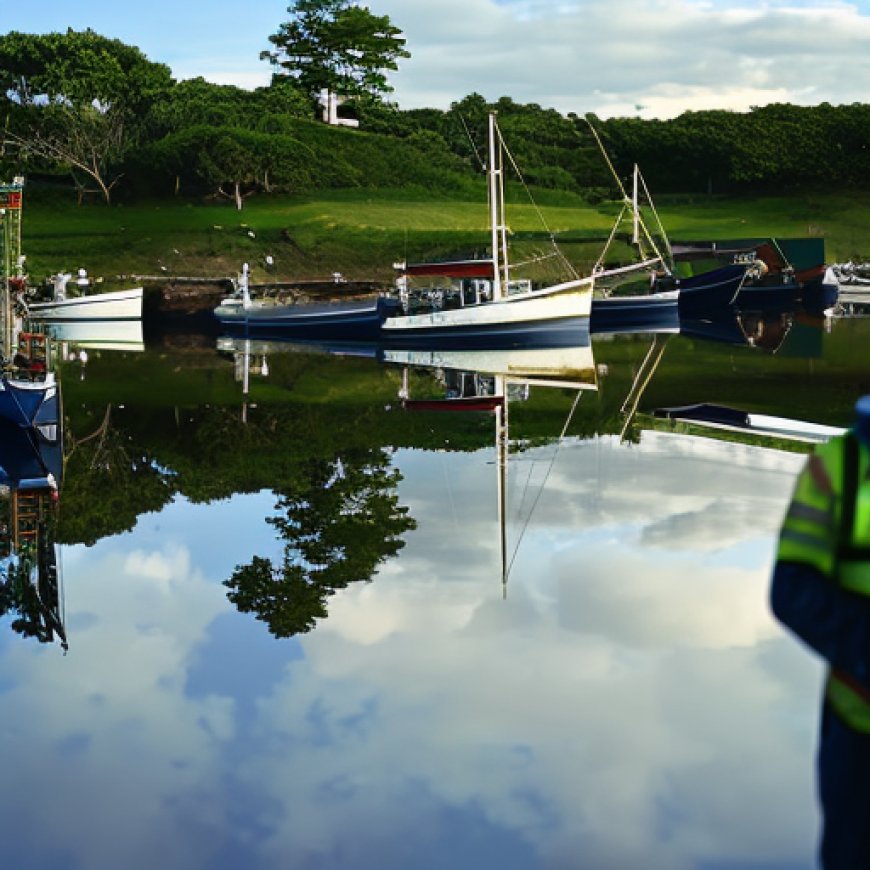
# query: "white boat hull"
{"type": "Point", "coordinates": [117, 305]}
{"type": "Point", "coordinates": [553, 308]}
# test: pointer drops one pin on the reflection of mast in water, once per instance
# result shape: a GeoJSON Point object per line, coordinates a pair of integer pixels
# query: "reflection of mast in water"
{"type": "Point", "coordinates": [642, 378]}
{"type": "Point", "coordinates": [485, 381]}
{"type": "Point", "coordinates": [245, 366]}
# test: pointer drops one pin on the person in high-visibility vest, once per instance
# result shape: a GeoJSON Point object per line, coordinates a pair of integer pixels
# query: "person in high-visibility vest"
{"type": "Point", "coordinates": [821, 591]}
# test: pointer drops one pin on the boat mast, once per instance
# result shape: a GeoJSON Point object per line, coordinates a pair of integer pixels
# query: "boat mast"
{"type": "Point", "coordinates": [496, 211]}
{"type": "Point", "coordinates": [501, 452]}
{"type": "Point", "coordinates": [635, 233]}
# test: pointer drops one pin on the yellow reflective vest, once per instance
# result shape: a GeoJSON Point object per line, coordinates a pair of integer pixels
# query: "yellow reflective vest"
{"type": "Point", "coordinates": [827, 526]}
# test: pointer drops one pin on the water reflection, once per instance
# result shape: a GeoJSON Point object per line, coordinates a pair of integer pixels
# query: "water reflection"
{"type": "Point", "coordinates": [339, 520]}
{"type": "Point", "coordinates": [31, 472]}
{"type": "Point", "coordinates": [630, 704]}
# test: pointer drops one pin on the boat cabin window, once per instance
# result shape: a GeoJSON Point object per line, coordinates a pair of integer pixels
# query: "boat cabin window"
{"type": "Point", "coordinates": [476, 290]}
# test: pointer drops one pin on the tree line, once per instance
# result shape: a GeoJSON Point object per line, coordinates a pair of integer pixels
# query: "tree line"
{"type": "Point", "coordinates": [97, 114]}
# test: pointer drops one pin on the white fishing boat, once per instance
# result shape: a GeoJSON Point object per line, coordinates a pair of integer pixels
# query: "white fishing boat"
{"type": "Point", "coordinates": [114, 305]}
{"type": "Point", "coordinates": [499, 311]}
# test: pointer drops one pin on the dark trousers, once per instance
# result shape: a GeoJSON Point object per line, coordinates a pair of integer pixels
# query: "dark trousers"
{"type": "Point", "coordinates": [844, 791]}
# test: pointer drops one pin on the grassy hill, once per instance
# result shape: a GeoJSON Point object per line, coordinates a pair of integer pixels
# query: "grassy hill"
{"type": "Point", "coordinates": [361, 232]}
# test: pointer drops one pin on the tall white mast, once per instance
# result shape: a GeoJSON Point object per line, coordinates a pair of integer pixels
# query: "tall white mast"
{"type": "Point", "coordinates": [635, 235]}
{"type": "Point", "coordinates": [495, 208]}
{"type": "Point", "coordinates": [501, 458]}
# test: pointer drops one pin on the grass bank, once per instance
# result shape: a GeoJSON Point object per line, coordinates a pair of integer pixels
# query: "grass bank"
{"type": "Point", "coordinates": [361, 233]}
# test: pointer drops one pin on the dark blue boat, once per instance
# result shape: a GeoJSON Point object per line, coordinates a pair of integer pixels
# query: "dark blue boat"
{"type": "Point", "coordinates": [348, 320]}
{"type": "Point", "coordinates": [708, 295]}
{"type": "Point", "coordinates": [28, 403]}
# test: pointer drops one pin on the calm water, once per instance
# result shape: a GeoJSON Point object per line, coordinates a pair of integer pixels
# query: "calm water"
{"type": "Point", "coordinates": [625, 700]}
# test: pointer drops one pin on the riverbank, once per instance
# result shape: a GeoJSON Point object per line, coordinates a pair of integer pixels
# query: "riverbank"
{"type": "Point", "coordinates": [360, 234]}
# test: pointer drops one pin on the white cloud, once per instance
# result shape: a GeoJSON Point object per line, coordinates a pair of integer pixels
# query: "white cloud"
{"type": "Point", "coordinates": [609, 57]}
{"type": "Point", "coordinates": [606, 56]}
{"type": "Point", "coordinates": [584, 717]}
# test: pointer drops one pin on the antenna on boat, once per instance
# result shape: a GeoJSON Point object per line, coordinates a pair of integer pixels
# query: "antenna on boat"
{"type": "Point", "coordinates": [244, 286]}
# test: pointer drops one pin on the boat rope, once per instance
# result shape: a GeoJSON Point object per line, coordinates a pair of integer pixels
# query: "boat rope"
{"type": "Point", "coordinates": [781, 253]}
{"type": "Point", "coordinates": [61, 591]}
{"type": "Point", "coordinates": [659, 223]}
{"type": "Point", "coordinates": [472, 143]}
{"type": "Point", "coordinates": [599, 263]}
{"type": "Point", "coordinates": [550, 465]}
{"type": "Point", "coordinates": [539, 258]}
{"type": "Point", "coordinates": [627, 200]}
{"type": "Point", "coordinates": [557, 251]}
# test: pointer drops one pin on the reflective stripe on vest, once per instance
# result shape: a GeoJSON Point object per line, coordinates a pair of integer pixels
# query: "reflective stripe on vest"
{"type": "Point", "coordinates": [849, 699]}
{"type": "Point", "coordinates": [809, 530]}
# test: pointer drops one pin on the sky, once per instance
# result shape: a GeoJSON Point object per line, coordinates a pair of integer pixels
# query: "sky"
{"type": "Point", "coordinates": [656, 58]}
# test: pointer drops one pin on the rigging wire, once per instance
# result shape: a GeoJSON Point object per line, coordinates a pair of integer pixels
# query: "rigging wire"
{"type": "Point", "coordinates": [472, 143]}
{"type": "Point", "coordinates": [544, 482]}
{"type": "Point", "coordinates": [628, 200]}
{"type": "Point", "coordinates": [557, 251]}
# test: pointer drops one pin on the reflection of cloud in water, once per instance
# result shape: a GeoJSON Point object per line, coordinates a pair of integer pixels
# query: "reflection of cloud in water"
{"type": "Point", "coordinates": [669, 491]}
{"type": "Point", "coordinates": [642, 602]}
{"type": "Point", "coordinates": [624, 707]}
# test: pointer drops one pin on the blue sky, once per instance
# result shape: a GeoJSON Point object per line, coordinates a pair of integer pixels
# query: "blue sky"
{"type": "Point", "coordinates": [614, 57]}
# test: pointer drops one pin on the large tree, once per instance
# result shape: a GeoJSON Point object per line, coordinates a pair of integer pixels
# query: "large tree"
{"type": "Point", "coordinates": [76, 101]}
{"type": "Point", "coordinates": [336, 46]}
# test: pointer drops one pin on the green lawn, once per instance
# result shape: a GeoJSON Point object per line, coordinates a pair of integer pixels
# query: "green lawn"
{"type": "Point", "coordinates": [361, 233]}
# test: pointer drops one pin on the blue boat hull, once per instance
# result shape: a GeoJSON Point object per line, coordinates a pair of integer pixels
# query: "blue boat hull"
{"type": "Point", "coordinates": [545, 333]}
{"type": "Point", "coordinates": [711, 292]}
{"type": "Point", "coordinates": [27, 404]}
{"type": "Point", "coordinates": [634, 314]}
{"type": "Point", "coordinates": [339, 321]}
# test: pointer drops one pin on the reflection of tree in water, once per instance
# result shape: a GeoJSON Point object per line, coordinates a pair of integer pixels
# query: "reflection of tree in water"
{"type": "Point", "coordinates": [29, 584]}
{"type": "Point", "coordinates": [341, 522]}
{"type": "Point", "coordinates": [108, 484]}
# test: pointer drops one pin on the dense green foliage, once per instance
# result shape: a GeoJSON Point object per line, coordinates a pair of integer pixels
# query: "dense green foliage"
{"type": "Point", "coordinates": [771, 147]}
{"type": "Point", "coordinates": [100, 111]}
{"type": "Point", "coordinates": [77, 102]}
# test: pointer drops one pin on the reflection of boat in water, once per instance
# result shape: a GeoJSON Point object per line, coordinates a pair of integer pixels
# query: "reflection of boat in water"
{"type": "Point", "coordinates": [559, 366]}
{"type": "Point", "coordinates": [486, 382]}
{"type": "Point", "coordinates": [736, 420]}
{"type": "Point", "coordinates": [31, 467]}
{"type": "Point", "coordinates": [99, 334]}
